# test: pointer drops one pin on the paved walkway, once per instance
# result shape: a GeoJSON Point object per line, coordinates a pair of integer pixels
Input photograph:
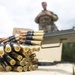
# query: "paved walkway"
{"type": "Point", "coordinates": [59, 69]}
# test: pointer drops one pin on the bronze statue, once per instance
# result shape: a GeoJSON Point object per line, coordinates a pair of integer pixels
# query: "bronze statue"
{"type": "Point", "coordinates": [46, 19]}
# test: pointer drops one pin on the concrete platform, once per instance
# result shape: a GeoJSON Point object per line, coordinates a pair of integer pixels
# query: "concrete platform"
{"type": "Point", "coordinates": [59, 69]}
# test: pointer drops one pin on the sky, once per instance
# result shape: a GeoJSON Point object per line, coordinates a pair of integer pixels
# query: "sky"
{"type": "Point", "coordinates": [21, 14]}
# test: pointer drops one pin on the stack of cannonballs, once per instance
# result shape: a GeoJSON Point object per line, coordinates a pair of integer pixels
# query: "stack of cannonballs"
{"type": "Point", "coordinates": [17, 52]}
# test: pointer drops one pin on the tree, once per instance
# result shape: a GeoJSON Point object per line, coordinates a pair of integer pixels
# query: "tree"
{"type": "Point", "coordinates": [68, 52]}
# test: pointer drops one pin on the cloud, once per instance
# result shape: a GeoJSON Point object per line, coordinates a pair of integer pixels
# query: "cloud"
{"type": "Point", "coordinates": [21, 13]}
{"type": "Point", "coordinates": [6, 23]}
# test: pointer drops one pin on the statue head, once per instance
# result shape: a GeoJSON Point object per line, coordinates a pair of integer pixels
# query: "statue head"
{"type": "Point", "coordinates": [44, 5]}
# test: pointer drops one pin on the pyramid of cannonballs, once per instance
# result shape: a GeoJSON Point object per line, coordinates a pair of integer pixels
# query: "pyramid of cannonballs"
{"type": "Point", "coordinates": [17, 52]}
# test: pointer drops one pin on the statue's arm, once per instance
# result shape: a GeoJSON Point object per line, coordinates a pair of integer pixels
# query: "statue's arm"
{"type": "Point", "coordinates": [54, 16]}
{"type": "Point", "coordinates": [38, 17]}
